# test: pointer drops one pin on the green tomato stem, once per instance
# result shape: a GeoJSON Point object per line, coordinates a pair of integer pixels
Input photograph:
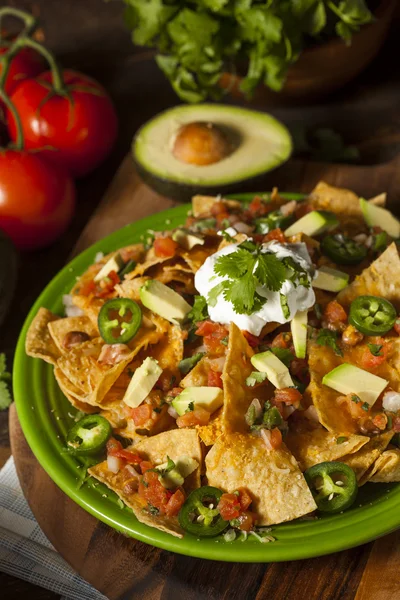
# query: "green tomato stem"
{"type": "Point", "coordinates": [23, 42]}
{"type": "Point", "coordinates": [29, 21]}
{"type": "Point", "coordinates": [19, 144]}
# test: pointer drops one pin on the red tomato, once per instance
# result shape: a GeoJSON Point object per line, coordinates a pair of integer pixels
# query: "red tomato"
{"type": "Point", "coordinates": [275, 234]}
{"type": "Point", "coordinates": [175, 503]}
{"type": "Point", "coordinates": [276, 438]}
{"type": "Point", "coordinates": [246, 521]}
{"type": "Point", "coordinates": [37, 199]}
{"type": "Point", "coordinates": [165, 247]}
{"type": "Point", "coordinates": [252, 340]}
{"type": "Point", "coordinates": [26, 64]}
{"type": "Point", "coordinates": [229, 506]}
{"type": "Point", "coordinates": [289, 396]}
{"type": "Point", "coordinates": [258, 207]}
{"type": "Point", "coordinates": [282, 340]}
{"type": "Point", "coordinates": [76, 131]}
{"type": "Point", "coordinates": [368, 360]}
{"type": "Point", "coordinates": [214, 334]}
{"type": "Point", "coordinates": [199, 416]}
{"type": "Point", "coordinates": [141, 414]}
{"type": "Point", "coordinates": [380, 421]}
{"type": "Point", "coordinates": [214, 379]}
{"type": "Point", "coordinates": [244, 499]}
{"type": "Point", "coordinates": [153, 491]}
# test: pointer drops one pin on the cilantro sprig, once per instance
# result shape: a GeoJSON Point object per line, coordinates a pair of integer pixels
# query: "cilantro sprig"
{"type": "Point", "coordinates": [326, 337]}
{"type": "Point", "coordinates": [5, 377]}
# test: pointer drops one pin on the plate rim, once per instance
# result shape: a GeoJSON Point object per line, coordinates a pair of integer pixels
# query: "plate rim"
{"type": "Point", "coordinates": [369, 525]}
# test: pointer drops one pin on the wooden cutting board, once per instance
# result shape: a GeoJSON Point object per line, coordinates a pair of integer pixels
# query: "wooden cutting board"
{"type": "Point", "coordinates": [123, 568]}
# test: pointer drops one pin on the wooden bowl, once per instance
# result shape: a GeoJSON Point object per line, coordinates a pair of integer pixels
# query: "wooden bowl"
{"type": "Point", "coordinates": [324, 68]}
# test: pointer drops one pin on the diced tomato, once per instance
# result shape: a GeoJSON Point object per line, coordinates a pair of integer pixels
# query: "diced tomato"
{"type": "Point", "coordinates": [302, 210]}
{"type": "Point", "coordinates": [113, 445]}
{"type": "Point", "coordinates": [358, 409]}
{"type": "Point", "coordinates": [289, 396]}
{"type": "Point", "coordinates": [258, 207]}
{"type": "Point", "coordinates": [214, 334]}
{"type": "Point", "coordinates": [276, 438]}
{"type": "Point", "coordinates": [146, 465]}
{"type": "Point", "coordinates": [152, 490]}
{"type": "Point", "coordinates": [397, 326]}
{"type": "Point", "coordinates": [106, 286]}
{"type": "Point", "coordinates": [282, 340]}
{"type": "Point", "coordinates": [275, 234]}
{"type": "Point", "coordinates": [246, 521]}
{"type": "Point", "coordinates": [175, 503]}
{"type": "Point", "coordinates": [369, 360]}
{"type": "Point", "coordinates": [175, 392]}
{"type": "Point", "coordinates": [214, 379]}
{"type": "Point", "coordinates": [244, 498]}
{"type": "Point", "coordinates": [253, 340]}
{"type": "Point", "coordinates": [218, 208]}
{"type": "Point", "coordinates": [165, 247]}
{"type": "Point", "coordinates": [130, 457]}
{"type": "Point", "coordinates": [334, 312]}
{"type": "Point", "coordinates": [88, 288]}
{"type": "Point", "coordinates": [380, 421]}
{"type": "Point", "coordinates": [141, 414]}
{"type": "Point", "coordinates": [199, 416]}
{"type": "Point", "coordinates": [229, 506]}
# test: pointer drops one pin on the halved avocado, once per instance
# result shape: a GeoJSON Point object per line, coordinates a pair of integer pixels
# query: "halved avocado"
{"type": "Point", "coordinates": [208, 149]}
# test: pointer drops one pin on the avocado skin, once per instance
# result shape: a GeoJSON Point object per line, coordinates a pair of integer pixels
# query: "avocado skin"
{"type": "Point", "coordinates": [184, 192]}
{"type": "Point", "coordinates": [8, 273]}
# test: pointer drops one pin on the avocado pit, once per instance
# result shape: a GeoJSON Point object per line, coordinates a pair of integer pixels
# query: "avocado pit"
{"type": "Point", "coordinates": [201, 143]}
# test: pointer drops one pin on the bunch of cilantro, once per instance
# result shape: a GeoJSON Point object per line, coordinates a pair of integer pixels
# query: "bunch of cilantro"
{"type": "Point", "coordinates": [199, 40]}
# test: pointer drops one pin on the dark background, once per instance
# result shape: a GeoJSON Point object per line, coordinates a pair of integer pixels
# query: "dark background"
{"type": "Point", "coordinates": [89, 35]}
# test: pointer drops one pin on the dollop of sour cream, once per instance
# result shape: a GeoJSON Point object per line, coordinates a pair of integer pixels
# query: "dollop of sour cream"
{"type": "Point", "coordinates": [298, 297]}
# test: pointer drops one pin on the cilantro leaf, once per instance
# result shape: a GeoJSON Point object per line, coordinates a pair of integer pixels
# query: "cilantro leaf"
{"type": "Point", "coordinates": [235, 265]}
{"type": "Point", "coordinates": [284, 354]}
{"type": "Point", "coordinates": [375, 349]}
{"type": "Point", "coordinates": [341, 439]}
{"type": "Point", "coordinates": [190, 407]}
{"type": "Point", "coordinates": [326, 337]}
{"type": "Point", "coordinates": [187, 364]}
{"type": "Point", "coordinates": [199, 310]}
{"type": "Point", "coordinates": [270, 271]}
{"type": "Point", "coordinates": [5, 396]}
{"type": "Point", "coordinates": [255, 377]}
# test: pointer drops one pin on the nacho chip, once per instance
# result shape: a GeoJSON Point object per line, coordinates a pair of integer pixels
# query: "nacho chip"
{"type": "Point", "coordinates": [279, 491]}
{"type": "Point", "coordinates": [381, 278]}
{"type": "Point", "coordinates": [130, 288]}
{"type": "Point", "coordinates": [72, 393]}
{"type": "Point", "coordinates": [379, 200]}
{"type": "Point", "coordinates": [198, 376]}
{"type": "Point", "coordinates": [361, 461]}
{"type": "Point", "coordinates": [39, 343]}
{"type": "Point", "coordinates": [387, 467]}
{"type": "Point", "coordinates": [237, 396]}
{"type": "Point", "coordinates": [335, 199]}
{"type": "Point", "coordinates": [317, 445]}
{"type": "Point", "coordinates": [61, 327]}
{"type": "Point", "coordinates": [115, 482]}
{"type": "Point", "coordinates": [202, 205]}
{"type": "Point", "coordinates": [211, 432]}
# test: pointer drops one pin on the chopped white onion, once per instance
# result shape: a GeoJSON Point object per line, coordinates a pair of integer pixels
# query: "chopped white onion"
{"type": "Point", "coordinates": [70, 309]}
{"type": "Point", "coordinates": [369, 241]}
{"type": "Point", "coordinates": [132, 471]}
{"type": "Point", "coordinates": [266, 437]}
{"type": "Point", "coordinates": [230, 231]}
{"type": "Point", "coordinates": [288, 208]}
{"type": "Point", "coordinates": [114, 463]}
{"type": "Point", "coordinates": [257, 405]}
{"type": "Point", "coordinates": [99, 256]}
{"type": "Point", "coordinates": [311, 414]}
{"type": "Point", "coordinates": [361, 238]}
{"type": "Point", "coordinates": [243, 227]}
{"type": "Point", "coordinates": [391, 401]}
{"type": "Point", "coordinates": [218, 363]}
{"type": "Point", "coordinates": [201, 348]}
{"type": "Point", "coordinates": [171, 411]}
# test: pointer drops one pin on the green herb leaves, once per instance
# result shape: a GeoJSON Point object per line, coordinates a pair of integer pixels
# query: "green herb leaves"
{"type": "Point", "coordinates": [375, 349]}
{"type": "Point", "coordinates": [244, 270]}
{"type": "Point", "coordinates": [255, 377]}
{"type": "Point", "coordinates": [187, 364]}
{"type": "Point", "coordinates": [199, 310]}
{"type": "Point", "coordinates": [5, 396]}
{"type": "Point", "coordinates": [326, 337]}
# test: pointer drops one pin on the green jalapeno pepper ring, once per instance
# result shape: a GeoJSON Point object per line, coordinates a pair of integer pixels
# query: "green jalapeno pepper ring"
{"type": "Point", "coordinates": [89, 435]}
{"type": "Point", "coordinates": [329, 496]}
{"type": "Point", "coordinates": [210, 523]}
{"type": "Point", "coordinates": [343, 250]}
{"type": "Point", "coordinates": [108, 326]}
{"type": "Point", "coordinates": [372, 315]}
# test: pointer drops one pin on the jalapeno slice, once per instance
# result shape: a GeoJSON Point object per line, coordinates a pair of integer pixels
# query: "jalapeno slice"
{"type": "Point", "coordinates": [343, 250]}
{"type": "Point", "coordinates": [333, 485]}
{"type": "Point", "coordinates": [372, 315]}
{"type": "Point", "coordinates": [119, 320]}
{"type": "Point", "coordinates": [89, 435]}
{"type": "Point", "coordinates": [200, 516]}
{"type": "Point", "coordinates": [274, 220]}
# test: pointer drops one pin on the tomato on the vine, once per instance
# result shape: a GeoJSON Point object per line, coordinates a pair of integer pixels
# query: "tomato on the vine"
{"type": "Point", "coordinates": [37, 198]}
{"type": "Point", "coordinates": [76, 130]}
{"type": "Point", "coordinates": [26, 64]}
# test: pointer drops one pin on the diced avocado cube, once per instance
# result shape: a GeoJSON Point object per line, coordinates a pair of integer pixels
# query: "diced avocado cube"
{"type": "Point", "coordinates": [184, 466]}
{"type": "Point", "coordinates": [330, 280]}
{"type": "Point", "coordinates": [314, 223]}
{"type": "Point", "coordinates": [348, 379]}
{"type": "Point", "coordinates": [298, 327]}
{"type": "Point", "coordinates": [163, 301]}
{"type": "Point", "coordinates": [113, 264]}
{"type": "Point", "coordinates": [376, 216]}
{"type": "Point", "coordinates": [277, 373]}
{"type": "Point", "coordinates": [187, 239]}
{"type": "Point", "coordinates": [209, 398]}
{"type": "Point", "coordinates": [144, 379]}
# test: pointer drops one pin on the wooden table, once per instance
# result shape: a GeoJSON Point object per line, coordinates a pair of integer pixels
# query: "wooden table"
{"type": "Point", "coordinates": [90, 36]}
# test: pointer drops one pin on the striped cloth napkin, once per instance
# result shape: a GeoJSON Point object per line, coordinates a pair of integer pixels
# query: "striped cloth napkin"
{"type": "Point", "coordinates": [25, 552]}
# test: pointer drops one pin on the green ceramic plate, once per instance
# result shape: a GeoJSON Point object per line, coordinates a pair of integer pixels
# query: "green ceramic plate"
{"type": "Point", "coordinates": [46, 415]}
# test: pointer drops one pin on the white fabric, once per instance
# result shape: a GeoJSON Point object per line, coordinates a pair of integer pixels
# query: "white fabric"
{"type": "Point", "coordinates": [25, 552]}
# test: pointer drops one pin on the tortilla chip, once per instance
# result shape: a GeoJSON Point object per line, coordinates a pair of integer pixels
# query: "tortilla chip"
{"type": "Point", "coordinates": [337, 200]}
{"type": "Point", "coordinates": [198, 376]}
{"type": "Point", "coordinates": [114, 481]}
{"type": "Point", "coordinates": [237, 396]}
{"type": "Point", "coordinates": [211, 432]}
{"type": "Point", "coordinates": [130, 288]}
{"type": "Point", "coordinates": [72, 393]}
{"type": "Point", "coordinates": [334, 415]}
{"type": "Point", "coordinates": [387, 467]}
{"type": "Point", "coordinates": [379, 200]}
{"type": "Point", "coordinates": [202, 205]}
{"type": "Point", "coordinates": [319, 445]}
{"type": "Point", "coordinates": [361, 461]}
{"type": "Point", "coordinates": [381, 278]}
{"type": "Point", "coordinates": [39, 343]}
{"type": "Point", "coordinates": [279, 491]}
{"type": "Point", "coordinates": [59, 329]}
